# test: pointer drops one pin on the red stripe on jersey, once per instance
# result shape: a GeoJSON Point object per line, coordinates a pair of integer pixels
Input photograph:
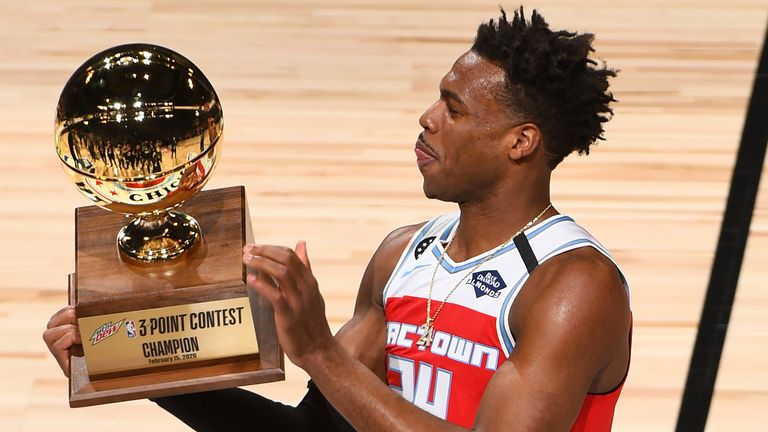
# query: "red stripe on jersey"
{"type": "Point", "coordinates": [596, 413]}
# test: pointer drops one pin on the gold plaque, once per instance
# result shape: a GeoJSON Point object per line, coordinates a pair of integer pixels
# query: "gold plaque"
{"type": "Point", "coordinates": [168, 336]}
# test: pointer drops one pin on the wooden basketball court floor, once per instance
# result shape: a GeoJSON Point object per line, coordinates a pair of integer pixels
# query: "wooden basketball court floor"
{"type": "Point", "coordinates": [321, 101]}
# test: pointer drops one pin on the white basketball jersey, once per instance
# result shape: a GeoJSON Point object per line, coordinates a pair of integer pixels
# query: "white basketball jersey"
{"type": "Point", "coordinates": [472, 336]}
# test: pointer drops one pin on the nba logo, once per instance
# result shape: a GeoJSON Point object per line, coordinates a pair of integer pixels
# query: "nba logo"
{"type": "Point", "coordinates": [130, 329]}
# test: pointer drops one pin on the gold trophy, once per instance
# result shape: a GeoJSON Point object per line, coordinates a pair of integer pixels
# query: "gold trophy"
{"type": "Point", "coordinates": [159, 282]}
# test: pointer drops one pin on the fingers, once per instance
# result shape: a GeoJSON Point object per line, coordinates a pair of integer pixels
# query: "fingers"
{"type": "Point", "coordinates": [281, 275]}
{"type": "Point", "coordinates": [65, 315]}
{"type": "Point", "coordinates": [60, 340]}
{"type": "Point", "coordinates": [267, 290]}
{"type": "Point", "coordinates": [280, 263]}
{"type": "Point", "coordinates": [61, 351]}
{"type": "Point", "coordinates": [62, 335]}
{"type": "Point", "coordinates": [76, 339]}
{"type": "Point", "coordinates": [301, 252]}
{"type": "Point", "coordinates": [279, 254]}
{"type": "Point", "coordinates": [56, 336]}
{"type": "Point", "coordinates": [62, 322]}
{"type": "Point", "coordinates": [269, 278]}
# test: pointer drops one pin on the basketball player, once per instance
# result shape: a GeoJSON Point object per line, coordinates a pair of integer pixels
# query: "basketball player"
{"type": "Point", "coordinates": [505, 315]}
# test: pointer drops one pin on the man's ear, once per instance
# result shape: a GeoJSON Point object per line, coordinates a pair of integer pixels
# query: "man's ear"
{"type": "Point", "coordinates": [523, 141]}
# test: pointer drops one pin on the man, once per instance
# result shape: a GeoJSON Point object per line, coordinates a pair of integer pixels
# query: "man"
{"type": "Point", "coordinates": [503, 316]}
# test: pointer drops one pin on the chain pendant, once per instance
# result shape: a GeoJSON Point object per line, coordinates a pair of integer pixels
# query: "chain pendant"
{"type": "Point", "coordinates": [427, 332]}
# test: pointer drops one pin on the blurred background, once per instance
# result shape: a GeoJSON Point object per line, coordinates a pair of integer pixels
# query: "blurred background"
{"type": "Point", "coordinates": [321, 104]}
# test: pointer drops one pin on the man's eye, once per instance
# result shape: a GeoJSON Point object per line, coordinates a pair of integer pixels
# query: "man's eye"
{"type": "Point", "coordinates": [452, 111]}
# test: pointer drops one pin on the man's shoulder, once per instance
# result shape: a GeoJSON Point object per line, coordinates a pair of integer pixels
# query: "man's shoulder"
{"type": "Point", "coordinates": [576, 286]}
{"type": "Point", "coordinates": [404, 233]}
{"type": "Point", "coordinates": [396, 241]}
{"type": "Point", "coordinates": [585, 271]}
{"type": "Point", "coordinates": [582, 260]}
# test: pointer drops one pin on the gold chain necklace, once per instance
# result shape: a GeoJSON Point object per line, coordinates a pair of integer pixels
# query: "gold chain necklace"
{"type": "Point", "coordinates": [427, 330]}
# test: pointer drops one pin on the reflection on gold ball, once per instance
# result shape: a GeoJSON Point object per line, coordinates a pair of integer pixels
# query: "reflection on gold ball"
{"type": "Point", "coordinates": [138, 128]}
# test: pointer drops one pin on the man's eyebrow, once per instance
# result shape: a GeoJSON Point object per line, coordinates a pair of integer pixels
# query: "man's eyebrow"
{"type": "Point", "coordinates": [449, 94]}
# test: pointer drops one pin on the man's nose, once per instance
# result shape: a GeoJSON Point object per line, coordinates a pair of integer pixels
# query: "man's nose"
{"type": "Point", "coordinates": [427, 119]}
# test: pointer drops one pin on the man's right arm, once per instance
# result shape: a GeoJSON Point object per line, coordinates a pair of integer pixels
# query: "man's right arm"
{"type": "Point", "coordinates": [363, 336]}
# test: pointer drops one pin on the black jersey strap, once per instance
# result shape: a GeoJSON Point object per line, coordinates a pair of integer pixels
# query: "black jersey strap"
{"type": "Point", "coordinates": [526, 253]}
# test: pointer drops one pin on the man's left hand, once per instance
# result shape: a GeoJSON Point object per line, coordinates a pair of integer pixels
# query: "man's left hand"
{"type": "Point", "coordinates": [284, 277]}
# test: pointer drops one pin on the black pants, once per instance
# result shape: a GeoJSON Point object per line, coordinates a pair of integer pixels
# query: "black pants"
{"type": "Point", "coordinates": [240, 410]}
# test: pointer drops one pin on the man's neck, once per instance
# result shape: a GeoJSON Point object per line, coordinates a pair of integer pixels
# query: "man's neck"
{"type": "Point", "coordinates": [486, 225]}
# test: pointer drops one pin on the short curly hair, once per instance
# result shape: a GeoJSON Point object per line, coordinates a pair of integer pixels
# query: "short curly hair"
{"type": "Point", "coordinates": [551, 81]}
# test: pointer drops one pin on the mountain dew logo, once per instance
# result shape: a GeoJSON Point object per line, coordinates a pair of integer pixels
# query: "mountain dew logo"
{"type": "Point", "coordinates": [105, 331]}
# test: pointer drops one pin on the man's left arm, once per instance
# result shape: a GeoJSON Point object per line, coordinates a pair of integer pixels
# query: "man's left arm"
{"type": "Point", "coordinates": [571, 325]}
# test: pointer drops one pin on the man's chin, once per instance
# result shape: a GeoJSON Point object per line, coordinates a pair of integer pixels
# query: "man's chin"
{"type": "Point", "coordinates": [431, 193]}
{"type": "Point", "coordinates": [428, 192]}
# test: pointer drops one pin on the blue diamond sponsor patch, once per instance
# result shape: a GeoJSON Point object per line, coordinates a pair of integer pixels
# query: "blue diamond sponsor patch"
{"type": "Point", "coordinates": [488, 282]}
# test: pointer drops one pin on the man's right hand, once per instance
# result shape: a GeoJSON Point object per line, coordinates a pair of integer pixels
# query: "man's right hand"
{"type": "Point", "coordinates": [62, 336]}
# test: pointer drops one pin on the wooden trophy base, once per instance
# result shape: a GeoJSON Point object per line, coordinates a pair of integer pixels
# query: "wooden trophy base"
{"type": "Point", "coordinates": [105, 282]}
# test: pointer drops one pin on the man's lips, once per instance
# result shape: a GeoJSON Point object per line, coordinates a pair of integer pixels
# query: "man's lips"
{"type": "Point", "coordinates": [424, 152]}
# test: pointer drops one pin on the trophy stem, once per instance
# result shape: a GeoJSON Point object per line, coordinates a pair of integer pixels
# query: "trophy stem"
{"type": "Point", "coordinates": [159, 236]}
